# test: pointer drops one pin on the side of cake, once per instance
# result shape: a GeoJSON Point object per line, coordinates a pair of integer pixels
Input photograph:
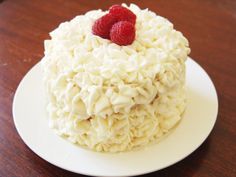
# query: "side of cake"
{"type": "Point", "coordinates": [115, 98]}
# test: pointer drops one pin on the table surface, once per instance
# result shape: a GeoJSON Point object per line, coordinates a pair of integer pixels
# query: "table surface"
{"type": "Point", "coordinates": [210, 27]}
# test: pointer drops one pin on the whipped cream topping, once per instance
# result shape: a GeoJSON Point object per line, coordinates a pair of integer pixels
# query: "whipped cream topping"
{"type": "Point", "coordinates": [110, 97]}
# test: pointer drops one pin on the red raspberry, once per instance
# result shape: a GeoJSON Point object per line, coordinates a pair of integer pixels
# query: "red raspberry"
{"type": "Point", "coordinates": [122, 33]}
{"type": "Point", "coordinates": [102, 26]}
{"type": "Point", "coordinates": [122, 13]}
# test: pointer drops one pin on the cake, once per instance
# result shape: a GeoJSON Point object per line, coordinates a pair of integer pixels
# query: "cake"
{"type": "Point", "coordinates": [110, 97]}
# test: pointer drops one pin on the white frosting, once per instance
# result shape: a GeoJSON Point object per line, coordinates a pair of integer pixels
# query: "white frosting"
{"type": "Point", "coordinates": [110, 97]}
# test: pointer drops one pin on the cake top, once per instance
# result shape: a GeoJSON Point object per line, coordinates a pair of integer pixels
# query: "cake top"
{"type": "Point", "coordinates": [101, 69]}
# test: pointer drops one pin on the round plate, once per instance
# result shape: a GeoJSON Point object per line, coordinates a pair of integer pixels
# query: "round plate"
{"type": "Point", "coordinates": [30, 119]}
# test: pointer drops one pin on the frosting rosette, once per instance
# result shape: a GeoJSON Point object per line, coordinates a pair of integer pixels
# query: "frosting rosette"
{"type": "Point", "coordinates": [115, 98]}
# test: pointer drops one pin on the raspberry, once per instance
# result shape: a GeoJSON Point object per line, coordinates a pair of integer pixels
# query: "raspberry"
{"type": "Point", "coordinates": [122, 13]}
{"type": "Point", "coordinates": [102, 26]}
{"type": "Point", "coordinates": [122, 33]}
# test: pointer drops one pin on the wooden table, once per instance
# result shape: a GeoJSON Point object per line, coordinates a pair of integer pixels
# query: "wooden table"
{"type": "Point", "coordinates": [209, 25]}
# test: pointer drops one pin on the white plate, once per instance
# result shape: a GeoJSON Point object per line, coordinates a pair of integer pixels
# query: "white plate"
{"type": "Point", "coordinates": [31, 122]}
